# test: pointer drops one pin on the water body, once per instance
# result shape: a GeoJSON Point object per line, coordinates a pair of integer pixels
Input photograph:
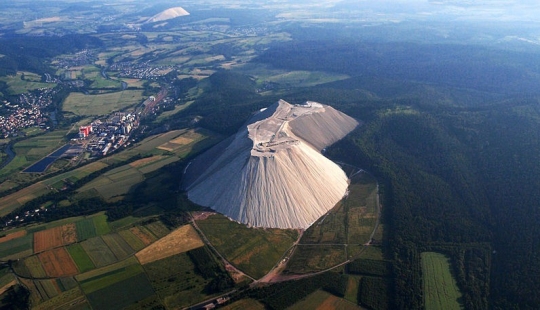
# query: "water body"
{"type": "Point", "coordinates": [44, 163]}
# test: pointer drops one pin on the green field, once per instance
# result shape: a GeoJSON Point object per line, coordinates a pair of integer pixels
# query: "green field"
{"type": "Point", "coordinates": [115, 182]}
{"type": "Point", "coordinates": [122, 293]}
{"type": "Point", "coordinates": [98, 251]}
{"type": "Point", "coordinates": [104, 280]}
{"type": "Point", "coordinates": [81, 259]}
{"type": "Point", "coordinates": [107, 269]}
{"type": "Point", "coordinates": [134, 242]}
{"type": "Point", "coordinates": [13, 201]}
{"type": "Point", "coordinates": [254, 251]}
{"type": "Point", "coordinates": [6, 276]}
{"type": "Point", "coordinates": [118, 246]}
{"type": "Point", "coordinates": [47, 289]}
{"type": "Point", "coordinates": [85, 229]}
{"type": "Point", "coordinates": [17, 85]}
{"type": "Point", "coordinates": [158, 229]}
{"type": "Point", "coordinates": [76, 174]}
{"type": "Point", "coordinates": [176, 281]}
{"type": "Point", "coordinates": [34, 266]}
{"type": "Point", "coordinates": [72, 297]}
{"type": "Point", "coordinates": [312, 258]}
{"type": "Point", "coordinates": [11, 247]}
{"type": "Point", "coordinates": [351, 294]}
{"type": "Point", "coordinates": [101, 225]}
{"type": "Point", "coordinates": [440, 288]}
{"type": "Point", "coordinates": [103, 104]}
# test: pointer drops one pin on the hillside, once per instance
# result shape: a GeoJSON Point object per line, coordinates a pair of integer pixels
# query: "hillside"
{"type": "Point", "coordinates": [271, 174]}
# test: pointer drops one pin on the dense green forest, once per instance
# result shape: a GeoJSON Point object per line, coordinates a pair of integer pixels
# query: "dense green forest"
{"type": "Point", "coordinates": [34, 53]}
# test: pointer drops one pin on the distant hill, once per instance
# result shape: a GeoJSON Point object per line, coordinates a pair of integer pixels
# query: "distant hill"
{"type": "Point", "coordinates": [168, 14]}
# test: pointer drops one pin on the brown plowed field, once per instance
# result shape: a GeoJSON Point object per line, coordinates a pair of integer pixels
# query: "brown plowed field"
{"type": "Point", "coordinates": [54, 237]}
{"type": "Point", "coordinates": [58, 263]}
{"type": "Point", "coordinates": [12, 236]}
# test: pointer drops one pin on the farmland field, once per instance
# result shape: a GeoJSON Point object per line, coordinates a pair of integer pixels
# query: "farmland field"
{"type": "Point", "coordinates": [14, 246]}
{"type": "Point", "coordinates": [80, 104]}
{"type": "Point", "coordinates": [118, 246]}
{"type": "Point", "coordinates": [86, 229]}
{"type": "Point", "coordinates": [254, 251]}
{"type": "Point", "coordinates": [71, 297]}
{"type": "Point", "coordinates": [47, 288]}
{"type": "Point", "coordinates": [134, 242]}
{"type": "Point", "coordinates": [143, 234]}
{"type": "Point", "coordinates": [115, 182]}
{"type": "Point", "coordinates": [34, 266]}
{"type": "Point", "coordinates": [11, 202]}
{"type": "Point", "coordinates": [76, 174]}
{"type": "Point", "coordinates": [57, 263]}
{"type": "Point", "coordinates": [158, 229]}
{"type": "Point", "coordinates": [175, 281]}
{"type": "Point", "coordinates": [98, 251]}
{"type": "Point", "coordinates": [440, 288]}
{"type": "Point", "coordinates": [323, 300]}
{"type": "Point", "coordinates": [329, 229]}
{"type": "Point", "coordinates": [310, 258]}
{"type": "Point", "coordinates": [101, 225]}
{"type": "Point", "coordinates": [12, 236]}
{"type": "Point", "coordinates": [122, 293]}
{"type": "Point", "coordinates": [181, 240]}
{"type": "Point", "coordinates": [352, 290]}
{"type": "Point", "coordinates": [106, 270]}
{"type": "Point", "coordinates": [54, 237]}
{"type": "Point", "coordinates": [81, 259]}
{"type": "Point", "coordinates": [103, 280]}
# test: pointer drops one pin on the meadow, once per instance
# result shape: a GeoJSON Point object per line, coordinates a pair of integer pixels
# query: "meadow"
{"type": "Point", "coordinates": [24, 82]}
{"type": "Point", "coordinates": [440, 288]}
{"type": "Point", "coordinates": [254, 251]}
{"type": "Point", "coordinates": [102, 104]}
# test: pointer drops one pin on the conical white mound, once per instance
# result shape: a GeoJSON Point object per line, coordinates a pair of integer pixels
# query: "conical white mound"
{"type": "Point", "coordinates": [168, 14]}
{"type": "Point", "coordinates": [271, 174]}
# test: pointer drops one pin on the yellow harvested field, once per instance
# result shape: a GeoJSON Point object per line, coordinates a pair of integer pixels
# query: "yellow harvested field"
{"type": "Point", "coordinates": [181, 240]}
{"type": "Point", "coordinates": [12, 236]}
{"type": "Point", "coordinates": [145, 161]}
{"type": "Point", "coordinates": [182, 140]}
{"type": "Point", "coordinates": [7, 286]}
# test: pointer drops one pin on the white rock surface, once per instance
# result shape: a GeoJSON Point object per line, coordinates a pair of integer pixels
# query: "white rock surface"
{"type": "Point", "coordinates": [271, 173]}
{"type": "Point", "coordinates": [168, 14]}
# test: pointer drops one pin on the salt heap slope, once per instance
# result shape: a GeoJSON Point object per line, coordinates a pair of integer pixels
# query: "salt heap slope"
{"type": "Point", "coordinates": [271, 173]}
{"type": "Point", "coordinates": [168, 14]}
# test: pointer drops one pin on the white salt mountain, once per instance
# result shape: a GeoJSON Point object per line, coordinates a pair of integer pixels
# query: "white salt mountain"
{"type": "Point", "coordinates": [168, 14]}
{"type": "Point", "coordinates": [271, 173]}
